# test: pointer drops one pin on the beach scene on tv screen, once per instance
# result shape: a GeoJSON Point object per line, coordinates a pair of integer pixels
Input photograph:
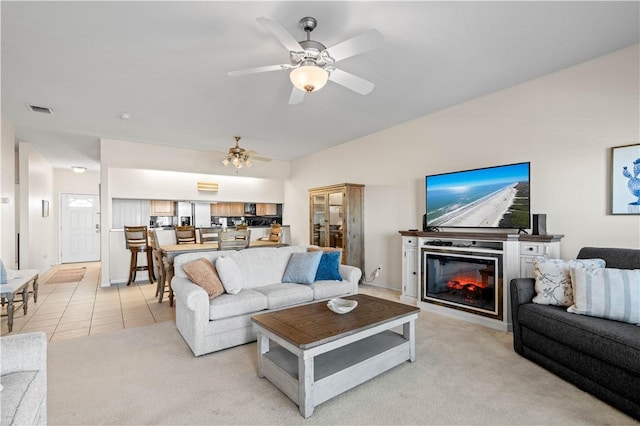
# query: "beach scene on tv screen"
{"type": "Point", "coordinates": [495, 197]}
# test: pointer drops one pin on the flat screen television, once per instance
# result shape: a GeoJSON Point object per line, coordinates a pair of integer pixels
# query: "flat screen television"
{"type": "Point", "coordinates": [491, 197]}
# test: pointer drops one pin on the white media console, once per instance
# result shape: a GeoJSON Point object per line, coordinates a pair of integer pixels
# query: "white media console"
{"type": "Point", "coordinates": [466, 274]}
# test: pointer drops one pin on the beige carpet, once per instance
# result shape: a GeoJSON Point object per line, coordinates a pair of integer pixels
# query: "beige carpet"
{"type": "Point", "coordinates": [464, 374]}
{"type": "Point", "coordinates": [71, 275]}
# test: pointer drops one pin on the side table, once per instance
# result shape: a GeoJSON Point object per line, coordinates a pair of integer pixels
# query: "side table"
{"type": "Point", "coordinates": [19, 284]}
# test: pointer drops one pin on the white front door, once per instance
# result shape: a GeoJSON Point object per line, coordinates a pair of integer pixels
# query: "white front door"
{"type": "Point", "coordinates": [79, 228]}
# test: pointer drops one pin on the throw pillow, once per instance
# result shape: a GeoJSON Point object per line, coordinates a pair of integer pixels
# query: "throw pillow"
{"type": "Point", "coordinates": [606, 293]}
{"type": "Point", "coordinates": [203, 273]}
{"type": "Point", "coordinates": [302, 268]}
{"type": "Point", "coordinates": [553, 280]}
{"type": "Point", "coordinates": [329, 267]}
{"type": "Point", "coordinates": [230, 274]}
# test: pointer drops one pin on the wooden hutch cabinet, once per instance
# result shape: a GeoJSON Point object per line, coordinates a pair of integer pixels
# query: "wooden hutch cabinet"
{"type": "Point", "coordinates": [336, 219]}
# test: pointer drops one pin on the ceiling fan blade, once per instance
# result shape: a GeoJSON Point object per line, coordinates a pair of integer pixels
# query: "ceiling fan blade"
{"type": "Point", "coordinates": [352, 82]}
{"type": "Point", "coordinates": [265, 159]}
{"type": "Point", "coordinates": [296, 97]}
{"type": "Point", "coordinates": [356, 45]}
{"type": "Point", "coordinates": [281, 34]}
{"type": "Point", "coordinates": [259, 69]}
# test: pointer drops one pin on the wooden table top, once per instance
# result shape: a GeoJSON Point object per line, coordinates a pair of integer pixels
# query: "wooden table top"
{"type": "Point", "coordinates": [174, 248]}
{"type": "Point", "coordinates": [310, 325]}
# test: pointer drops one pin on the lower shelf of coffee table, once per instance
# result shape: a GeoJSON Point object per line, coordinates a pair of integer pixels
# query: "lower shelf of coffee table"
{"type": "Point", "coordinates": [340, 369]}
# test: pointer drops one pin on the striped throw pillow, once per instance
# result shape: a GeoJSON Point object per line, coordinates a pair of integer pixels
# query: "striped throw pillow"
{"type": "Point", "coordinates": [606, 293]}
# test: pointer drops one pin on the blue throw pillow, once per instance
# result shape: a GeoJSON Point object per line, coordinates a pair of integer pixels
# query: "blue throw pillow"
{"type": "Point", "coordinates": [328, 269]}
{"type": "Point", "coordinates": [302, 267]}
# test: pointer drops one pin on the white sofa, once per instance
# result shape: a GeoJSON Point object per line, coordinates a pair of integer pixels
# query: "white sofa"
{"type": "Point", "coordinates": [225, 321]}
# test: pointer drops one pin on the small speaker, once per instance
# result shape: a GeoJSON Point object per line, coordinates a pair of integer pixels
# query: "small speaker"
{"type": "Point", "coordinates": [424, 222]}
{"type": "Point", "coordinates": [539, 224]}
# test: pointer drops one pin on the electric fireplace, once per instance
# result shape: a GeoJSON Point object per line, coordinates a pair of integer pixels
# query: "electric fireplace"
{"type": "Point", "coordinates": [469, 281]}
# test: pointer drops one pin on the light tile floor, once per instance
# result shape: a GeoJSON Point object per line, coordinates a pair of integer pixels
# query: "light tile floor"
{"type": "Point", "coordinates": [75, 309]}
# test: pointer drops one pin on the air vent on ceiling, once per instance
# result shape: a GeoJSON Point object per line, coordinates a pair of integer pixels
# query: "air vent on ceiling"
{"type": "Point", "coordinates": [44, 110]}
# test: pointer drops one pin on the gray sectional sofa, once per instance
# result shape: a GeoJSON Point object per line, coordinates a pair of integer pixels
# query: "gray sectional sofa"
{"type": "Point", "coordinates": [599, 356]}
{"type": "Point", "coordinates": [225, 321]}
{"type": "Point", "coordinates": [23, 377]}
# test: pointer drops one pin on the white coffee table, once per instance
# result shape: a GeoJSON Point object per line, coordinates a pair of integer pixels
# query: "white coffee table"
{"type": "Point", "coordinates": [19, 284]}
{"type": "Point", "coordinates": [319, 354]}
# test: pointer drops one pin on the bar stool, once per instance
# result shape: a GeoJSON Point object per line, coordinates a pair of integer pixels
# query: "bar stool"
{"type": "Point", "coordinates": [136, 241]}
{"type": "Point", "coordinates": [185, 234]}
{"type": "Point", "coordinates": [161, 272]}
{"type": "Point", "coordinates": [275, 234]}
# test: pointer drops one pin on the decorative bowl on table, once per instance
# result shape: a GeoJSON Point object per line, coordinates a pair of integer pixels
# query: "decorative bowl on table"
{"type": "Point", "coordinates": [342, 306]}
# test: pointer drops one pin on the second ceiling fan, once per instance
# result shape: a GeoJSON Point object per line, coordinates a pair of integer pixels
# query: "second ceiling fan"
{"type": "Point", "coordinates": [312, 63]}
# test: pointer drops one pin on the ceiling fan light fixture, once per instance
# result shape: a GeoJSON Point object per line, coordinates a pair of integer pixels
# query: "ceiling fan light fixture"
{"type": "Point", "coordinates": [309, 78]}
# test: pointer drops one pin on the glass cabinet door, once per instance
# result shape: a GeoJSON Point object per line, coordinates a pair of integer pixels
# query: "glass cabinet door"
{"type": "Point", "coordinates": [336, 227]}
{"type": "Point", "coordinates": [319, 220]}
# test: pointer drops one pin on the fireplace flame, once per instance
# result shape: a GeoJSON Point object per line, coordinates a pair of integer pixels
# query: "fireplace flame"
{"type": "Point", "coordinates": [468, 282]}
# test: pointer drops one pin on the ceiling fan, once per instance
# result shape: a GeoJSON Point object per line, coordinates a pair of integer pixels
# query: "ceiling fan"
{"type": "Point", "coordinates": [312, 63]}
{"type": "Point", "coordinates": [240, 157]}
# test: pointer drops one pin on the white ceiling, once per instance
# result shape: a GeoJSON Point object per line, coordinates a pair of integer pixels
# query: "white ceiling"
{"type": "Point", "coordinates": [166, 64]}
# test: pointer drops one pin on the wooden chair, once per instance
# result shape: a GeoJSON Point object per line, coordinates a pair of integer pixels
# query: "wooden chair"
{"type": "Point", "coordinates": [232, 239]}
{"type": "Point", "coordinates": [160, 270]}
{"type": "Point", "coordinates": [137, 242]}
{"type": "Point", "coordinates": [185, 234]}
{"type": "Point", "coordinates": [275, 234]}
{"type": "Point", "coordinates": [208, 235]}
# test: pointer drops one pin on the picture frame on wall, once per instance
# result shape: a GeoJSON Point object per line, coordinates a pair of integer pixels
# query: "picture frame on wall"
{"type": "Point", "coordinates": [625, 180]}
{"type": "Point", "coordinates": [45, 208]}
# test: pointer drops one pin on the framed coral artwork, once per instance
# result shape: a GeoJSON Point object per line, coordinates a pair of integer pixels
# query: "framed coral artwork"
{"type": "Point", "coordinates": [625, 180]}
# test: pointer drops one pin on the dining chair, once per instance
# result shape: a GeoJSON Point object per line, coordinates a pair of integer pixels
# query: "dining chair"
{"type": "Point", "coordinates": [208, 235]}
{"type": "Point", "coordinates": [233, 239]}
{"type": "Point", "coordinates": [160, 270]}
{"type": "Point", "coordinates": [136, 240]}
{"type": "Point", "coordinates": [275, 234]}
{"type": "Point", "coordinates": [185, 234]}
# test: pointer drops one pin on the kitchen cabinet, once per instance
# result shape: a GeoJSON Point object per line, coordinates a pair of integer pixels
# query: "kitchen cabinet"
{"type": "Point", "coordinates": [162, 208]}
{"type": "Point", "coordinates": [227, 209]}
{"type": "Point", "coordinates": [127, 212]}
{"type": "Point", "coordinates": [336, 220]}
{"type": "Point", "coordinates": [266, 209]}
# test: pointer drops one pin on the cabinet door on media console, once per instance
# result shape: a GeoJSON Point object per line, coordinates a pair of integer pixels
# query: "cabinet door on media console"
{"type": "Point", "coordinates": [410, 280]}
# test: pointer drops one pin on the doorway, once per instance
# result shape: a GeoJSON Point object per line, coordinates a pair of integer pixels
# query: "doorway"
{"type": "Point", "coordinates": [79, 228]}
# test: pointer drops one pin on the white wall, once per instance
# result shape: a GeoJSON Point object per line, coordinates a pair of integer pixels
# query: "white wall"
{"type": "Point", "coordinates": [165, 185]}
{"type": "Point", "coordinates": [37, 248]}
{"type": "Point", "coordinates": [8, 239]}
{"type": "Point", "coordinates": [564, 123]}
